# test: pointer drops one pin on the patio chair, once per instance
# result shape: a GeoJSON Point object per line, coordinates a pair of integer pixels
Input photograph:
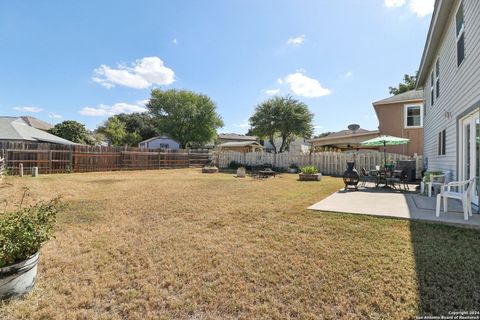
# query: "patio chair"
{"type": "Point", "coordinates": [463, 193]}
{"type": "Point", "coordinates": [399, 178]}
{"type": "Point", "coordinates": [436, 182]}
{"type": "Point", "coordinates": [366, 177]}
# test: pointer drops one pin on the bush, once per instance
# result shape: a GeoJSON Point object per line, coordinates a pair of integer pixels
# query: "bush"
{"type": "Point", "coordinates": [293, 166]}
{"type": "Point", "coordinates": [23, 231]}
{"type": "Point", "coordinates": [234, 165]}
{"type": "Point", "coordinates": [309, 169]}
{"type": "Point", "coordinates": [428, 173]}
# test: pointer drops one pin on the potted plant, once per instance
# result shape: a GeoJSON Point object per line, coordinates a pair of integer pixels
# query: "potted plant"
{"type": "Point", "coordinates": [241, 172]}
{"type": "Point", "coordinates": [309, 173]}
{"type": "Point", "coordinates": [22, 233]}
{"type": "Point", "coordinates": [293, 168]}
{"type": "Point", "coordinates": [210, 168]}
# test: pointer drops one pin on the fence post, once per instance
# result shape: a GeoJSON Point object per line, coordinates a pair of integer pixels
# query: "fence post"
{"type": "Point", "coordinates": [20, 169]}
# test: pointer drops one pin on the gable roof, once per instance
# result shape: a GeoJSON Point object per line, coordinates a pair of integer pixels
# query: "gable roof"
{"type": "Point", "coordinates": [240, 144]}
{"type": "Point", "coordinates": [412, 95]}
{"type": "Point", "coordinates": [14, 128]}
{"type": "Point", "coordinates": [157, 137]}
{"type": "Point", "coordinates": [37, 123]}
{"type": "Point", "coordinates": [236, 136]}
{"type": "Point", "coordinates": [346, 133]}
{"type": "Point", "coordinates": [438, 24]}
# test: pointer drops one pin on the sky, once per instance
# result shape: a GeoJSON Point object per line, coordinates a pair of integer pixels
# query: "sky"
{"type": "Point", "coordinates": [88, 60]}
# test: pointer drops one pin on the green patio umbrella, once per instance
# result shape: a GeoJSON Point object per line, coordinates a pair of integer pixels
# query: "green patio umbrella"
{"type": "Point", "coordinates": [385, 141]}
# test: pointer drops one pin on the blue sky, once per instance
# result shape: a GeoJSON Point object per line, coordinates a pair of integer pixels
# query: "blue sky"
{"type": "Point", "coordinates": [86, 60]}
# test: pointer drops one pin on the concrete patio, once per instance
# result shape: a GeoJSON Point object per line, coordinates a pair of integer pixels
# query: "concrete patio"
{"type": "Point", "coordinates": [394, 204]}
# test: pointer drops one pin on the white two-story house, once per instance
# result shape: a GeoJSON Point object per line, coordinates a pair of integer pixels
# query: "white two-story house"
{"type": "Point", "coordinates": [449, 73]}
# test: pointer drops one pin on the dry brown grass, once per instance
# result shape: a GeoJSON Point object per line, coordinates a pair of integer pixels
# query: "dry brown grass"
{"type": "Point", "coordinates": [179, 244]}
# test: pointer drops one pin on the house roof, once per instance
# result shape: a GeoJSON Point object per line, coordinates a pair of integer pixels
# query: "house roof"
{"type": "Point", "coordinates": [440, 16]}
{"type": "Point", "coordinates": [412, 95]}
{"type": "Point", "coordinates": [236, 136]}
{"type": "Point", "coordinates": [14, 128]}
{"type": "Point", "coordinates": [155, 138]}
{"type": "Point", "coordinates": [240, 144]}
{"type": "Point", "coordinates": [345, 134]}
{"type": "Point", "coordinates": [37, 123]}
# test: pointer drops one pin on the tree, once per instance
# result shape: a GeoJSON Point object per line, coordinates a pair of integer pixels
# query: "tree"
{"type": "Point", "coordinates": [323, 134]}
{"type": "Point", "coordinates": [114, 131]}
{"type": "Point", "coordinates": [409, 83]}
{"type": "Point", "coordinates": [139, 124]}
{"type": "Point", "coordinates": [128, 129]}
{"type": "Point", "coordinates": [284, 118]}
{"type": "Point", "coordinates": [73, 131]}
{"type": "Point", "coordinates": [185, 116]}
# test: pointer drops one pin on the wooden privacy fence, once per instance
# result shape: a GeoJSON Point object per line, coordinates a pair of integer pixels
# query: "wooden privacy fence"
{"type": "Point", "coordinates": [330, 163]}
{"type": "Point", "coordinates": [51, 158]}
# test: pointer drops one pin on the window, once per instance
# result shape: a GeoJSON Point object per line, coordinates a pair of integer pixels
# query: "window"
{"type": "Point", "coordinates": [442, 142]}
{"type": "Point", "coordinates": [460, 31]}
{"type": "Point", "coordinates": [413, 116]}
{"type": "Point", "coordinates": [164, 146]}
{"type": "Point", "coordinates": [437, 77]}
{"type": "Point", "coordinates": [432, 89]}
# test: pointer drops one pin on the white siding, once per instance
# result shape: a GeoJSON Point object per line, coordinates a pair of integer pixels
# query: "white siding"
{"type": "Point", "coordinates": [459, 88]}
{"type": "Point", "coordinates": [155, 144]}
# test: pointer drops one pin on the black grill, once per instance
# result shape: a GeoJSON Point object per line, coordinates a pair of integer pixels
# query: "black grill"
{"type": "Point", "coordinates": [350, 176]}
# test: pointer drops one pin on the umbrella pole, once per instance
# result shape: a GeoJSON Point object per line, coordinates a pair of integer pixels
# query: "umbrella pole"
{"type": "Point", "coordinates": [385, 156]}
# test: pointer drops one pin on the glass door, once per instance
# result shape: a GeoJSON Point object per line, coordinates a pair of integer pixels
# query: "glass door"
{"type": "Point", "coordinates": [470, 151]}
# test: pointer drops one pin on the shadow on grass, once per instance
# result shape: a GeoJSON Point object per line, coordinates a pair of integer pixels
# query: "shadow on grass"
{"type": "Point", "coordinates": [448, 268]}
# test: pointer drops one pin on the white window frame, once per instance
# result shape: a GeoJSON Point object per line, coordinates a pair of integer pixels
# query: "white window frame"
{"type": "Point", "coordinates": [432, 88]}
{"type": "Point", "coordinates": [437, 78]}
{"type": "Point", "coordinates": [405, 115]}
{"type": "Point", "coordinates": [460, 33]}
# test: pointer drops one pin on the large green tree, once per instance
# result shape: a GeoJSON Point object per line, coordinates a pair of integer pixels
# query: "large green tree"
{"type": "Point", "coordinates": [73, 131]}
{"type": "Point", "coordinates": [128, 129]}
{"type": "Point", "coordinates": [141, 124]}
{"type": "Point", "coordinates": [114, 130]}
{"type": "Point", "coordinates": [409, 83]}
{"type": "Point", "coordinates": [283, 118]}
{"type": "Point", "coordinates": [189, 118]}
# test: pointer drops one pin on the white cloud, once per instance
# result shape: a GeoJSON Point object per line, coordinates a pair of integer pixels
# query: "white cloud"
{"type": "Point", "coordinates": [106, 110]}
{"type": "Point", "coordinates": [304, 86]}
{"type": "Point", "coordinates": [349, 74]}
{"type": "Point", "coordinates": [175, 41]}
{"type": "Point", "coordinates": [142, 74]}
{"type": "Point", "coordinates": [394, 3]}
{"type": "Point", "coordinates": [280, 81]}
{"type": "Point", "coordinates": [28, 109]}
{"type": "Point", "coordinates": [422, 8]}
{"type": "Point", "coordinates": [244, 124]}
{"type": "Point", "coordinates": [272, 92]}
{"type": "Point", "coordinates": [54, 115]}
{"type": "Point", "coordinates": [297, 41]}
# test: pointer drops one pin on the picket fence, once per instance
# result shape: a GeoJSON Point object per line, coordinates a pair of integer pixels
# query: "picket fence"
{"type": "Point", "coordinates": [329, 163]}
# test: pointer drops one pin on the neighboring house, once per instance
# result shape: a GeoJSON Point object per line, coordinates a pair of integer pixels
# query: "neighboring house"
{"type": "Point", "coordinates": [449, 74]}
{"type": "Point", "coordinates": [402, 116]}
{"type": "Point", "coordinates": [343, 140]}
{"type": "Point", "coordinates": [37, 123]}
{"type": "Point", "coordinates": [160, 142]}
{"type": "Point", "coordinates": [234, 137]}
{"type": "Point", "coordinates": [16, 129]}
{"type": "Point", "coordinates": [243, 146]}
{"type": "Point", "coordinates": [299, 145]}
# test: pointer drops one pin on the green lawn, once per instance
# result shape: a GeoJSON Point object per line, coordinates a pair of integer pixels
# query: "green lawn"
{"type": "Point", "coordinates": [179, 244]}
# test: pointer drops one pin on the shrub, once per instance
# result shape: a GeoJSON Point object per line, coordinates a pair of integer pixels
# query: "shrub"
{"type": "Point", "coordinates": [234, 165]}
{"type": "Point", "coordinates": [309, 169]}
{"type": "Point", "coordinates": [23, 231]}
{"type": "Point", "coordinates": [428, 173]}
{"type": "Point", "coordinates": [293, 166]}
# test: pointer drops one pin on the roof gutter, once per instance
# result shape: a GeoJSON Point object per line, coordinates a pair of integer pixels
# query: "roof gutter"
{"type": "Point", "coordinates": [435, 32]}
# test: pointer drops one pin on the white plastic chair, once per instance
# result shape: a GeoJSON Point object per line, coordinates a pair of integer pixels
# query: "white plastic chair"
{"type": "Point", "coordinates": [436, 181]}
{"type": "Point", "coordinates": [464, 193]}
